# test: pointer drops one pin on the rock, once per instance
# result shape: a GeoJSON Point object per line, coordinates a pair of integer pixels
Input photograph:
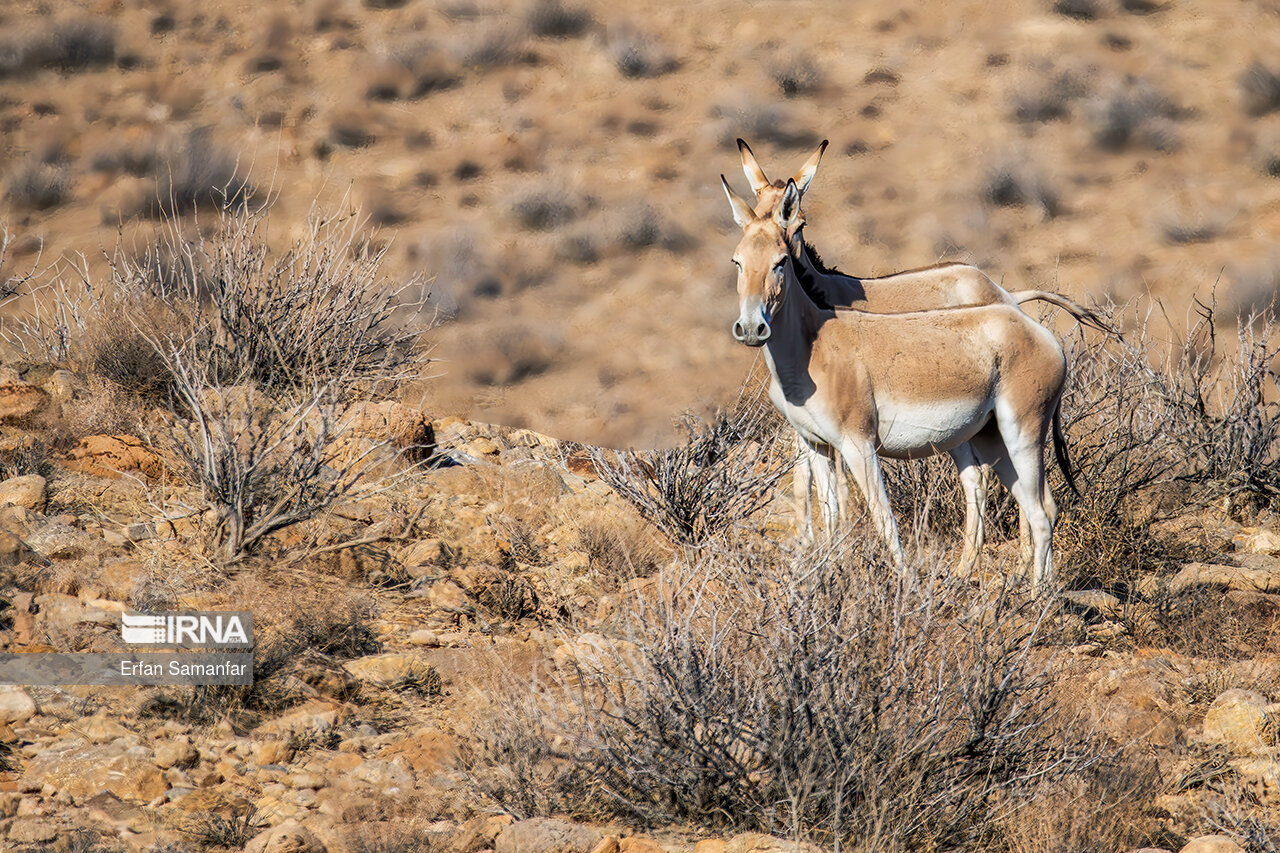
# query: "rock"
{"type": "Point", "coordinates": [59, 611]}
{"type": "Point", "coordinates": [177, 752]}
{"type": "Point", "coordinates": [428, 751]}
{"type": "Point", "coordinates": [446, 595]}
{"type": "Point", "coordinates": [1263, 541]}
{"type": "Point", "coordinates": [289, 837]}
{"type": "Point", "coordinates": [112, 455]}
{"type": "Point", "coordinates": [1262, 774]}
{"type": "Point", "coordinates": [17, 398]}
{"type": "Point", "coordinates": [122, 578]}
{"type": "Point", "coordinates": [545, 835]}
{"type": "Point", "coordinates": [711, 845]}
{"type": "Point", "coordinates": [1226, 577]}
{"type": "Point", "coordinates": [16, 706]}
{"type": "Point", "coordinates": [756, 842]}
{"type": "Point", "coordinates": [310, 718]}
{"type": "Point", "coordinates": [595, 655]}
{"type": "Point", "coordinates": [608, 844]}
{"type": "Point", "coordinates": [395, 671]}
{"type": "Point", "coordinates": [28, 492]}
{"type": "Point", "coordinates": [13, 551]}
{"type": "Point", "coordinates": [100, 729]}
{"type": "Point", "coordinates": [1212, 844]}
{"type": "Point", "coordinates": [79, 769]}
{"type": "Point", "coordinates": [390, 778]}
{"type": "Point", "coordinates": [640, 844]}
{"type": "Point", "coordinates": [1096, 600]}
{"type": "Point", "coordinates": [28, 830]}
{"type": "Point", "coordinates": [1238, 719]}
{"type": "Point", "coordinates": [64, 542]}
{"type": "Point", "coordinates": [274, 751]}
{"type": "Point", "coordinates": [61, 386]}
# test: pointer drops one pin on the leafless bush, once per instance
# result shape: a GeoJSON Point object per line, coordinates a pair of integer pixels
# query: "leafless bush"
{"type": "Point", "coordinates": [797, 77]}
{"type": "Point", "coordinates": [1199, 227]}
{"type": "Point", "coordinates": [637, 54]}
{"type": "Point", "coordinates": [1013, 183]}
{"type": "Point", "coordinates": [72, 45]}
{"type": "Point", "coordinates": [318, 313]}
{"type": "Point", "coordinates": [553, 18]}
{"type": "Point", "coordinates": [514, 354]}
{"type": "Point", "coordinates": [544, 209]}
{"type": "Point", "coordinates": [411, 68]}
{"type": "Point", "coordinates": [1135, 113]}
{"type": "Point", "coordinates": [1081, 10]}
{"type": "Point", "coordinates": [1049, 100]}
{"type": "Point", "coordinates": [723, 473]}
{"type": "Point", "coordinates": [1259, 89]}
{"type": "Point", "coordinates": [773, 124]}
{"type": "Point", "coordinates": [826, 697]}
{"type": "Point", "coordinates": [192, 172]}
{"type": "Point", "coordinates": [38, 186]}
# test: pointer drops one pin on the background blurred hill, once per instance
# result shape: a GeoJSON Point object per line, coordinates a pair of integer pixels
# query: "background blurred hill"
{"type": "Point", "coordinates": [554, 167]}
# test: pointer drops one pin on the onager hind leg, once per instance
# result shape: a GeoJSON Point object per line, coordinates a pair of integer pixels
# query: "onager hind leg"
{"type": "Point", "coordinates": [973, 482]}
{"type": "Point", "coordinates": [1016, 452]}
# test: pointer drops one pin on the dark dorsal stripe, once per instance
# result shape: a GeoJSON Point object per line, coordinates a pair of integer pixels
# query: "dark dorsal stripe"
{"type": "Point", "coordinates": [816, 260]}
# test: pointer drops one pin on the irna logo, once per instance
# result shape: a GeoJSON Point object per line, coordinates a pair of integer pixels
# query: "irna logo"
{"type": "Point", "coordinates": [217, 629]}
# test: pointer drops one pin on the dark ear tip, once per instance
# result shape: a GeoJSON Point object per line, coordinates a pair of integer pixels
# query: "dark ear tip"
{"type": "Point", "coordinates": [823, 146]}
{"type": "Point", "coordinates": [742, 143]}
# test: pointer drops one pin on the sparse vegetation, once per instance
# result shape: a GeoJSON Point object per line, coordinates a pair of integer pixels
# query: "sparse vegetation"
{"type": "Point", "coordinates": [38, 186]}
{"type": "Point", "coordinates": [1135, 114]}
{"type": "Point", "coordinates": [724, 472]}
{"type": "Point", "coordinates": [555, 19]}
{"type": "Point", "coordinates": [72, 45]}
{"type": "Point", "coordinates": [637, 54]}
{"type": "Point", "coordinates": [797, 77]}
{"type": "Point", "coordinates": [1048, 100]}
{"type": "Point", "coordinates": [1013, 183]}
{"type": "Point", "coordinates": [1259, 89]}
{"type": "Point", "coordinates": [1080, 10]}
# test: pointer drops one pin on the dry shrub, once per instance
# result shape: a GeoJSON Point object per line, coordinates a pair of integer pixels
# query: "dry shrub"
{"type": "Point", "coordinates": [1259, 89]}
{"type": "Point", "coordinates": [192, 172]}
{"type": "Point", "coordinates": [77, 44]}
{"type": "Point", "coordinates": [515, 353]}
{"type": "Point", "coordinates": [797, 77]}
{"type": "Point", "coordinates": [723, 474]}
{"type": "Point", "coordinates": [1135, 113]}
{"type": "Point", "coordinates": [1206, 623]}
{"type": "Point", "coordinates": [1080, 10]}
{"type": "Point", "coordinates": [771, 123]}
{"type": "Point", "coordinates": [1048, 100]}
{"type": "Point", "coordinates": [36, 185]}
{"type": "Point", "coordinates": [1015, 183]}
{"type": "Point", "coordinates": [552, 18]}
{"type": "Point", "coordinates": [637, 54]}
{"type": "Point", "coordinates": [821, 696]}
{"type": "Point", "coordinates": [618, 545]}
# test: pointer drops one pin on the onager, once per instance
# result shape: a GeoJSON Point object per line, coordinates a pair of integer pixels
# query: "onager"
{"type": "Point", "coordinates": [939, 286]}
{"type": "Point", "coordinates": [982, 383]}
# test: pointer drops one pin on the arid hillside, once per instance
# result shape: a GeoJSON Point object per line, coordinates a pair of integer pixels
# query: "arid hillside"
{"type": "Point", "coordinates": [552, 167]}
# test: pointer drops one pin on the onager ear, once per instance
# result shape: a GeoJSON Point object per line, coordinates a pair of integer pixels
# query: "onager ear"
{"type": "Point", "coordinates": [787, 213]}
{"type": "Point", "coordinates": [755, 175]}
{"type": "Point", "coordinates": [809, 169]}
{"type": "Point", "coordinates": [742, 213]}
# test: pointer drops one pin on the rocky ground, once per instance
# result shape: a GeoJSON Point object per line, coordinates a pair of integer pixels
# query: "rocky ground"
{"type": "Point", "coordinates": [505, 560]}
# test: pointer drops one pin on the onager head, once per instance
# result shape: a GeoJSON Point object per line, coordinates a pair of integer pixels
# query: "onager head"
{"type": "Point", "coordinates": [762, 257]}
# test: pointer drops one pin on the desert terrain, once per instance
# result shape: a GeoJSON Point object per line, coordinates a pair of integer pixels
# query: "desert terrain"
{"type": "Point", "coordinates": [336, 311]}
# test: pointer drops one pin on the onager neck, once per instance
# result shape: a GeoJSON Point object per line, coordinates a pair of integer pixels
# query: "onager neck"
{"type": "Point", "coordinates": [793, 330]}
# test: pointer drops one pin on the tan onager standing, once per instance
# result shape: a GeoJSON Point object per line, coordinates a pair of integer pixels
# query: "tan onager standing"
{"type": "Point", "coordinates": [982, 383]}
{"type": "Point", "coordinates": [940, 286]}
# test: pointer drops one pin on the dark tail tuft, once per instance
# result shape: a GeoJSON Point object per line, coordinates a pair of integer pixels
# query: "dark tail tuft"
{"type": "Point", "coordinates": [1060, 450]}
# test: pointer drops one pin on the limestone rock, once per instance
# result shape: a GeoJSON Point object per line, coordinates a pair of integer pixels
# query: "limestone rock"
{"type": "Point", "coordinates": [1238, 719]}
{"type": "Point", "coordinates": [1226, 577]}
{"type": "Point", "coordinates": [639, 844]}
{"type": "Point", "coordinates": [112, 455]}
{"type": "Point", "coordinates": [82, 770]}
{"type": "Point", "coordinates": [1212, 844]}
{"type": "Point", "coordinates": [28, 492]}
{"type": "Point", "coordinates": [388, 777]}
{"type": "Point", "coordinates": [16, 706]}
{"type": "Point", "coordinates": [1263, 541]}
{"type": "Point", "coordinates": [608, 844]}
{"type": "Point", "coordinates": [289, 837]}
{"type": "Point", "coordinates": [176, 752]}
{"type": "Point", "coordinates": [64, 542]}
{"type": "Point", "coordinates": [545, 835]}
{"type": "Point", "coordinates": [428, 751]}
{"type": "Point", "coordinates": [17, 398]}
{"type": "Point", "coordinates": [396, 671]}
{"type": "Point", "coordinates": [30, 830]}
{"type": "Point", "coordinates": [13, 551]}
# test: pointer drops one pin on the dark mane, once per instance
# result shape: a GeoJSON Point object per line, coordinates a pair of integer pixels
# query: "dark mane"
{"type": "Point", "coordinates": [816, 260]}
{"type": "Point", "coordinates": [805, 276]}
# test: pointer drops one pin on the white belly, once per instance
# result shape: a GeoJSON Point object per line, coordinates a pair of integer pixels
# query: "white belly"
{"type": "Point", "coordinates": [913, 430]}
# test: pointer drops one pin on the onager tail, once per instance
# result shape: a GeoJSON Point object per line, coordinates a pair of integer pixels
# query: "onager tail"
{"type": "Point", "coordinates": [1075, 309]}
{"type": "Point", "coordinates": [1060, 450]}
